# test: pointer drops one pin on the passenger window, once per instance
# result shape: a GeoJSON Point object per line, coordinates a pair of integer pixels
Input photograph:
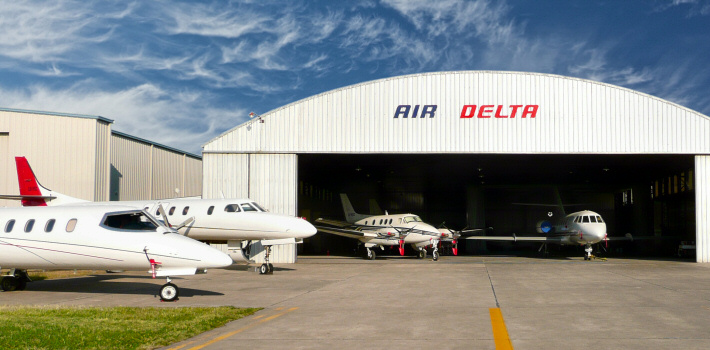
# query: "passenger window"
{"type": "Point", "coordinates": [184, 211]}
{"type": "Point", "coordinates": [10, 225]}
{"type": "Point", "coordinates": [71, 225]}
{"type": "Point", "coordinates": [585, 219]}
{"type": "Point", "coordinates": [232, 208]}
{"type": "Point", "coordinates": [50, 225]}
{"type": "Point", "coordinates": [380, 221]}
{"type": "Point", "coordinates": [210, 210]}
{"type": "Point", "coordinates": [172, 210]}
{"type": "Point", "coordinates": [390, 221]}
{"type": "Point", "coordinates": [29, 225]}
{"type": "Point", "coordinates": [248, 207]}
{"type": "Point", "coordinates": [599, 219]}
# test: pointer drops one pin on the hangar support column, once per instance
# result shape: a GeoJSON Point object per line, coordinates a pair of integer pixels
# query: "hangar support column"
{"type": "Point", "coordinates": [702, 208]}
{"type": "Point", "coordinates": [475, 217]}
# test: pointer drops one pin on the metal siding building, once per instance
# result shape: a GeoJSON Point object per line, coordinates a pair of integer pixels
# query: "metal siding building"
{"type": "Point", "coordinates": [142, 169]}
{"type": "Point", "coordinates": [82, 157]}
{"type": "Point", "coordinates": [574, 116]}
{"type": "Point", "coordinates": [71, 151]}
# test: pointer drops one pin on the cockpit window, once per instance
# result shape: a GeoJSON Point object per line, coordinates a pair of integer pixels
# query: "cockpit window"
{"type": "Point", "coordinates": [248, 207]}
{"type": "Point", "coordinates": [136, 221]}
{"type": "Point", "coordinates": [593, 218]}
{"type": "Point", "coordinates": [258, 206]}
{"type": "Point", "coordinates": [408, 219]}
{"type": "Point", "coordinates": [232, 208]}
{"type": "Point", "coordinates": [585, 219]}
{"type": "Point", "coordinates": [599, 219]}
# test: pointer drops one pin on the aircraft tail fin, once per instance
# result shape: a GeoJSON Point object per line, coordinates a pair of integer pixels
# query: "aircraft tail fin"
{"type": "Point", "coordinates": [32, 193]}
{"type": "Point", "coordinates": [375, 208]}
{"type": "Point", "coordinates": [350, 214]}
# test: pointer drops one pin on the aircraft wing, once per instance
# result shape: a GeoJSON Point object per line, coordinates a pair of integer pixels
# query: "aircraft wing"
{"type": "Point", "coordinates": [627, 237]}
{"type": "Point", "coordinates": [514, 238]}
{"type": "Point", "coordinates": [20, 197]}
{"type": "Point", "coordinates": [345, 229]}
{"type": "Point", "coordinates": [335, 223]}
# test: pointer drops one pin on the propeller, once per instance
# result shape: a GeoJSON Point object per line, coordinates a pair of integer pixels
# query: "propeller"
{"type": "Point", "coordinates": [161, 210]}
{"type": "Point", "coordinates": [401, 247]}
{"type": "Point", "coordinates": [454, 237]}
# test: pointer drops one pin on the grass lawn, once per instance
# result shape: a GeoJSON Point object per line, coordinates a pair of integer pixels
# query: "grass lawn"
{"type": "Point", "coordinates": [108, 327]}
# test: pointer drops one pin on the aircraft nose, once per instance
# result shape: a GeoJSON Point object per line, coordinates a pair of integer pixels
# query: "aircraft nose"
{"type": "Point", "coordinates": [300, 228]}
{"type": "Point", "coordinates": [213, 258]}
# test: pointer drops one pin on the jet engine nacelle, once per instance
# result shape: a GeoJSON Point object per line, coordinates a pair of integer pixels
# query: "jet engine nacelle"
{"type": "Point", "coordinates": [543, 226]}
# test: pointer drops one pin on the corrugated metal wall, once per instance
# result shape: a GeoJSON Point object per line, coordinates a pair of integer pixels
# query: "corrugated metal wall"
{"type": "Point", "coordinates": [702, 208]}
{"type": "Point", "coordinates": [269, 179]}
{"type": "Point", "coordinates": [62, 151]}
{"type": "Point", "coordinates": [103, 162]}
{"type": "Point", "coordinates": [131, 169]}
{"type": "Point", "coordinates": [143, 170]}
{"type": "Point", "coordinates": [574, 116]}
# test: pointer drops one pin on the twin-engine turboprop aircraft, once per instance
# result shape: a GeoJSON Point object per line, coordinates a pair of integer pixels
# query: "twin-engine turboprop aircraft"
{"type": "Point", "coordinates": [384, 230]}
{"type": "Point", "coordinates": [107, 237]}
{"type": "Point", "coordinates": [239, 222]}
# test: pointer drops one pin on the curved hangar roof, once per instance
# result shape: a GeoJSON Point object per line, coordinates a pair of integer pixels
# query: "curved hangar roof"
{"type": "Point", "coordinates": [474, 112]}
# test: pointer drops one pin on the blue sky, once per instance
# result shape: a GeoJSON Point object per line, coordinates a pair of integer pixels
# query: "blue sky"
{"type": "Point", "coordinates": [181, 73]}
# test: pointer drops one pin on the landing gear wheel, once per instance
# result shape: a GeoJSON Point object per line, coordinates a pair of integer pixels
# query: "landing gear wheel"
{"type": "Point", "coordinates": [422, 254]}
{"type": "Point", "coordinates": [9, 284]}
{"type": "Point", "coordinates": [271, 269]}
{"type": "Point", "coordinates": [435, 255]}
{"type": "Point", "coordinates": [169, 292]}
{"type": "Point", "coordinates": [370, 255]}
{"type": "Point", "coordinates": [263, 269]}
{"type": "Point", "coordinates": [21, 283]}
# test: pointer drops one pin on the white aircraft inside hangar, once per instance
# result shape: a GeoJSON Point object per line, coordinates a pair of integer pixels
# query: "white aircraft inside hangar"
{"type": "Point", "coordinates": [461, 146]}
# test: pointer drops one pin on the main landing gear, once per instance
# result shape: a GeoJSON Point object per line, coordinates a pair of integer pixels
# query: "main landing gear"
{"type": "Point", "coordinates": [266, 268]}
{"type": "Point", "coordinates": [15, 280]}
{"type": "Point", "coordinates": [422, 253]}
{"type": "Point", "coordinates": [169, 292]}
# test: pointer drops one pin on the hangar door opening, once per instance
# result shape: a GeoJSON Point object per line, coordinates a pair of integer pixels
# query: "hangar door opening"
{"type": "Point", "coordinates": [645, 195]}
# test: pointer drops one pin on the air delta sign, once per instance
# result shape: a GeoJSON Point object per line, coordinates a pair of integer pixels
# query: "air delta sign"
{"type": "Point", "coordinates": [470, 111]}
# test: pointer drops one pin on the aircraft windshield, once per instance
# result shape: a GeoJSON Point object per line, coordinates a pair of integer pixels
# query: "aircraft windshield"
{"type": "Point", "coordinates": [136, 221]}
{"type": "Point", "coordinates": [258, 207]}
{"type": "Point", "coordinates": [408, 219]}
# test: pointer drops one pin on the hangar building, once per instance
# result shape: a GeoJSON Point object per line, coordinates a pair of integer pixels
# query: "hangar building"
{"type": "Point", "coordinates": [79, 155]}
{"type": "Point", "coordinates": [462, 147]}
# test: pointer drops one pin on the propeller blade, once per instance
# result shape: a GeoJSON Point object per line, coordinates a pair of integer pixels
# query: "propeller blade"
{"type": "Point", "coordinates": [456, 247]}
{"type": "Point", "coordinates": [185, 223]}
{"type": "Point", "coordinates": [401, 247]}
{"type": "Point", "coordinates": [606, 241]}
{"type": "Point", "coordinates": [165, 216]}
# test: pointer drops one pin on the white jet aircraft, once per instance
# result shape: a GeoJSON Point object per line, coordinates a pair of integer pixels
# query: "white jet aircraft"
{"type": "Point", "coordinates": [384, 230]}
{"type": "Point", "coordinates": [239, 222]}
{"type": "Point", "coordinates": [579, 228]}
{"type": "Point", "coordinates": [108, 237]}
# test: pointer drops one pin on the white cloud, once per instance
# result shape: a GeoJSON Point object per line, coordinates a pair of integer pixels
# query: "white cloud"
{"type": "Point", "coordinates": [181, 119]}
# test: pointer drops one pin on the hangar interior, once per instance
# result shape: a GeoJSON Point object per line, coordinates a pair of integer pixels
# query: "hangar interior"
{"type": "Point", "coordinates": [645, 195]}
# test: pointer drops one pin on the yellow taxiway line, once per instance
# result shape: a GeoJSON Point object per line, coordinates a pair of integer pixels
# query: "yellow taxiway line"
{"type": "Point", "coordinates": [259, 320]}
{"type": "Point", "coordinates": [500, 333]}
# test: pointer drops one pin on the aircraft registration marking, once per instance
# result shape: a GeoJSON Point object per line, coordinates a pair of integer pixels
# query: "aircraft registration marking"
{"type": "Point", "coordinates": [500, 332]}
{"type": "Point", "coordinates": [251, 325]}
